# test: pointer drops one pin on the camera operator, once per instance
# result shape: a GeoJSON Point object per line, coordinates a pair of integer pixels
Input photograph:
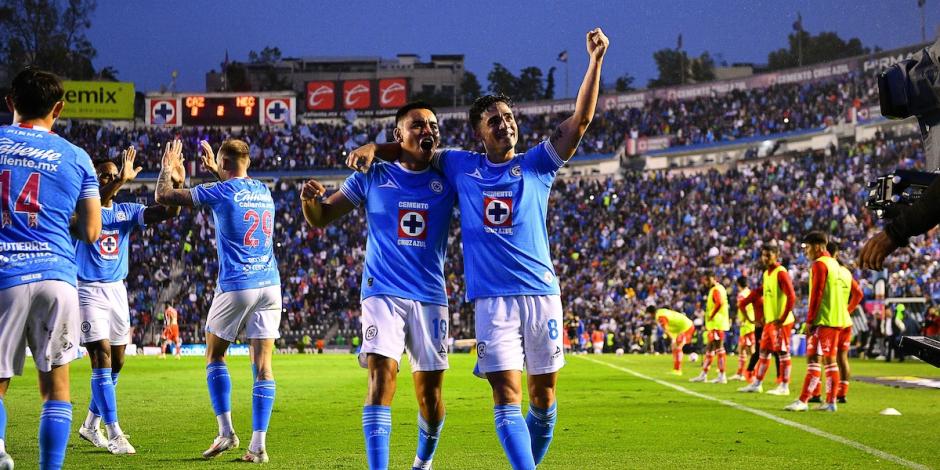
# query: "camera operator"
{"type": "Point", "coordinates": [911, 88]}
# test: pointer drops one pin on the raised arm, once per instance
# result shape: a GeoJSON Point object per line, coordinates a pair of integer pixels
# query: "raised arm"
{"type": "Point", "coordinates": [208, 159]}
{"type": "Point", "coordinates": [128, 173]}
{"type": "Point", "coordinates": [320, 214]}
{"type": "Point", "coordinates": [165, 193]}
{"type": "Point", "coordinates": [568, 134]}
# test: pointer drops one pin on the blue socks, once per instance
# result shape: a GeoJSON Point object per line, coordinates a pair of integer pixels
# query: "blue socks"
{"type": "Point", "coordinates": [54, 424]}
{"type": "Point", "coordinates": [262, 402]}
{"type": "Point", "coordinates": [377, 428]}
{"type": "Point", "coordinates": [541, 424]}
{"type": "Point", "coordinates": [428, 437]}
{"type": "Point", "coordinates": [102, 394]}
{"type": "Point", "coordinates": [514, 436]}
{"type": "Point", "coordinates": [92, 406]}
{"type": "Point", "coordinates": [220, 387]}
{"type": "Point", "coordinates": [3, 422]}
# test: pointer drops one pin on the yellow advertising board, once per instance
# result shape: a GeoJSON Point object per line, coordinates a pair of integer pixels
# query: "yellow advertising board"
{"type": "Point", "coordinates": [98, 100]}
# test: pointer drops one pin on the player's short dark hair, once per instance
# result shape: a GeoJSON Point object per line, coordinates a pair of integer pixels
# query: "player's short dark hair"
{"type": "Point", "coordinates": [832, 247]}
{"type": "Point", "coordinates": [771, 247]}
{"type": "Point", "coordinates": [234, 149]}
{"type": "Point", "coordinates": [708, 273]}
{"type": "Point", "coordinates": [650, 309]}
{"type": "Point", "coordinates": [742, 281]}
{"type": "Point", "coordinates": [815, 237]}
{"type": "Point", "coordinates": [404, 110]}
{"type": "Point", "coordinates": [34, 93]}
{"type": "Point", "coordinates": [483, 103]}
{"type": "Point", "coordinates": [101, 161]}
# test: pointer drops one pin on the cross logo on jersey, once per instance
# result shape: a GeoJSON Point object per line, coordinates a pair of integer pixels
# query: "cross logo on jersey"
{"type": "Point", "coordinates": [497, 212]}
{"type": "Point", "coordinates": [109, 245]}
{"type": "Point", "coordinates": [412, 224]}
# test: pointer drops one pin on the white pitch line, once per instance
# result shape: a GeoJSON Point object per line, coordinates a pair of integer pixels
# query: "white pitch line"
{"type": "Point", "coordinates": [786, 422]}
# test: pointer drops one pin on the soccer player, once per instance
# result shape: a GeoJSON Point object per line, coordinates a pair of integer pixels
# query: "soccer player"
{"type": "Point", "coordinates": [779, 298]}
{"type": "Point", "coordinates": [43, 180]}
{"type": "Point", "coordinates": [717, 323]}
{"type": "Point", "coordinates": [828, 310]}
{"type": "Point", "coordinates": [102, 297]}
{"type": "Point", "coordinates": [171, 333]}
{"type": "Point", "coordinates": [503, 199]}
{"type": "Point", "coordinates": [249, 288]}
{"type": "Point", "coordinates": [747, 325]}
{"type": "Point", "coordinates": [855, 296]}
{"type": "Point", "coordinates": [679, 328]}
{"type": "Point", "coordinates": [408, 208]}
{"type": "Point", "coordinates": [756, 300]}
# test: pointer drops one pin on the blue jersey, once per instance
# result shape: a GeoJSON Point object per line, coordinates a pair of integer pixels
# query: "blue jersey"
{"type": "Point", "coordinates": [42, 178]}
{"type": "Point", "coordinates": [408, 214]}
{"type": "Point", "coordinates": [105, 260]}
{"type": "Point", "coordinates": [503, 208]}
{"type": "Point", "coordinates": [244, 229]}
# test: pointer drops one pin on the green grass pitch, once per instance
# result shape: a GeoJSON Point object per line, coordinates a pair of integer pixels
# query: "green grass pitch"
{"type": "Point", "coordinates": [608, 418]}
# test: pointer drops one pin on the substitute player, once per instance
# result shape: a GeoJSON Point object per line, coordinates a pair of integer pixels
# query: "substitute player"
{"type": "Point", "coordinates": [717, 323]}
{"type": "Point", "coordinates": [829, 287]}
{"type": "Point", "coordinates": [779, 298]}
{"type": "Point", "coordinates": [102, 297]}
{"type": "Point", "coordinates": [43, 180]}
{"type": "Point", "coordinates": [171, 334]}
{"type": "Point", "coordinates": [510, 278]}
{"type": "Point", "coordinates": [747, 325]}
{"type": "Point", "coordinates": [248, 295]}
{"type": "Point", "coordinates": [679, 328]}
{"type": "Point", "coordinates": [408, 208]}
{"type": "Point", "coordinates": [855, 296]}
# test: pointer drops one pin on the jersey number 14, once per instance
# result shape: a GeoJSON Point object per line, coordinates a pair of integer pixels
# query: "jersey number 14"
{"type": "Point", "coordinates": [27, 202]}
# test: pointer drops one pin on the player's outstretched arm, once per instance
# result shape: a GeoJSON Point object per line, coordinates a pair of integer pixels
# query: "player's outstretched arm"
{"type": "Point", "coordinates": [361, 158]}
{"type": "Point", "coordinates": [568, 134]}
{"type": "Point", "coordinates": [166, 194]}
{"type": "Point", "coordinates": [321, 213]}
{"type": "Point", "coordinates": [158, 213]}
{"type": "Point", "coordinates": [127, 174]}
{"type": "Point", "coordinates": [86, 222]}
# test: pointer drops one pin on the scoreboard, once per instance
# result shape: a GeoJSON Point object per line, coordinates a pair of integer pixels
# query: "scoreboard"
{"type": "Point", "coordinates": [218, 111]}
{"type": "Point", "coordinates": [221, 109]}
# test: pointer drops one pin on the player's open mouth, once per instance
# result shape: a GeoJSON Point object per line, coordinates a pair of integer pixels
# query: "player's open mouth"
{"type": "Point", "coordinates": [427, 143]}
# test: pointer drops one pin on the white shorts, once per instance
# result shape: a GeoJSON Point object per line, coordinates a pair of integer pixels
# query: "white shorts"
{"type": "Point", "coordinates": [391, 325]}
{"type": "Point", "coordinates": [517, 331]}
{"type": "Point", "coordinates": [257, 310]}
{"type": "Point", "coordinates": [104, 313]}
{"type": "Point", "coordinates": [26, 313]}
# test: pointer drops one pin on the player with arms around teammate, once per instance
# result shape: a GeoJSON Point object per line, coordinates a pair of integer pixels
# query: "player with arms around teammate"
{"type": "Point", "coordinates": [779, 297]}
{"type": "Point", "coordinates": [503, 199]}
{"type": "Point", "coordinates": [102, 296]}
{"type": "Point", "coordinates": [404, 302]}
{"type": "Point", "coordinates": [679, 328]}
{"type": "Point", "coordinates": [43, 180]}
{"type": "Point", "coordinates": [248, 294]}
{"type": "Point", "coordinates": [717, 323]}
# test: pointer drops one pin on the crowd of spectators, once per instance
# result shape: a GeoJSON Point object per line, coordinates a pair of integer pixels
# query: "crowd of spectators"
{"type": "Point", "coordinates": [310, 146]}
